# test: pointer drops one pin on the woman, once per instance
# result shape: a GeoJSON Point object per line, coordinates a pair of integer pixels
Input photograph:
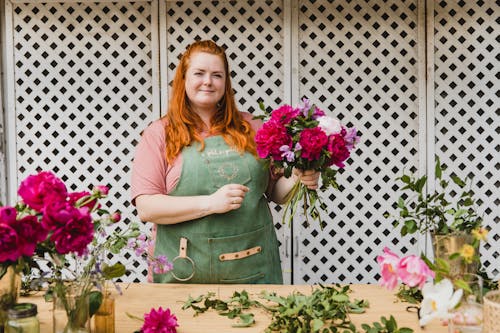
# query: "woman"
{"type": "Point", "coordinates": [196, 175]}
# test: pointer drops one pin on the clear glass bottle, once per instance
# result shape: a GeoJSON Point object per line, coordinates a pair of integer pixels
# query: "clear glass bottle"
{"type": "Point", "coordinates": [22, 317]}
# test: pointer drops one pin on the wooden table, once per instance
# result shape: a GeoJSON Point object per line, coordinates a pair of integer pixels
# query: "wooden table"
{"type": "Point", "coordinates": [140, 298]}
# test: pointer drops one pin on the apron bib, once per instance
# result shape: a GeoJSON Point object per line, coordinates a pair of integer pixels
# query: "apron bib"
{"type": "Point", "coordinates": [239, 246]}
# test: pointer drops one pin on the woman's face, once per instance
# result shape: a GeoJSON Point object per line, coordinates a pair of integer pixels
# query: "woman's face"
{"type": "Point", "coordinates": [205, 81]}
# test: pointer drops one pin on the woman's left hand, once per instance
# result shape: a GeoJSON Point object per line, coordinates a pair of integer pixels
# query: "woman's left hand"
{"type": "Point", "coordinates": [309, 178]}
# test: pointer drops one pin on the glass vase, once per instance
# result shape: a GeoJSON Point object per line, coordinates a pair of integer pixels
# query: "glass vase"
{"type": "Point", "coordinates": [467, 316]}
{"type": "Point", "coordinates": [10, 285]}
{"type": "Point", "coordinates": [446, 245]}
{"type": "Point", "coordinates": [104, 318]}
{"type": "Point", "coordinates": [70, 310]}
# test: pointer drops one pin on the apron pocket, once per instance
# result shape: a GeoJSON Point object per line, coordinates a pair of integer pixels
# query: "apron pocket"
{"type": "Point", "coordinates": [248, 267]}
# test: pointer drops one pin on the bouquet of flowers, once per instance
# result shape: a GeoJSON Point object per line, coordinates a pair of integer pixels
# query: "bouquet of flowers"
{"type": "Point", "coordinates": [304, 138]}
{"type": "Point", "coordinates": [68, 230]}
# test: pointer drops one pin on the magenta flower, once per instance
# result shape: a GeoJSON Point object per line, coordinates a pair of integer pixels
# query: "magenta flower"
{"type": "Point", "coordinates": [81, 199]}
{"type": "Point", "coordinates": [284, 114]}
{"type": "Point", "coordinates": [159, 321]}
{"type": "Point", "coordinates": [413, 271]}
{"type": "Point", "coordinates": [116, 217]}
{"type": "Point", "coordinates": [312, 141]}
{"type": "Point", "coordinates": [102, 190]}
{"type": "Point", "coordinates": [8, 215]}
{"type": "Point", "coordinates": [37, 190]}
{"type": "Point", "coordinates": [8, 243]}
{"type": "Point", "coordinates": [29, 232]}
{"type": "Point", "coordinates": [57, 214]}
{"type": "Point", "coordinates": [389, 264]}
{"type": "Point", "coordinates": [269, 139]}
{"type": "Point", "coordinates": [76, 234]}
{"type": "Point", "coordinates": [338, 150]}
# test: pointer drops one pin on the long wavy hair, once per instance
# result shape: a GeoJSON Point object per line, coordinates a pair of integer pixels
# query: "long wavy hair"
{"type": "Point", "coordinates": [183, 125]}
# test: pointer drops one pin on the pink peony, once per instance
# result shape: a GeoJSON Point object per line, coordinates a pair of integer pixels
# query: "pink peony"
{"type": "Point", "coordinates": [312, 141]}
{"type": "Point", "coordinates": [413, 271]}
{"type": "Point", "coordinates": [159, 321]}
{"type": "Point", "coordinates": [37, 190]}
{"type": "Point", "coordinates": [284, 114]}
{"type": "Point", "coordinates": [8, 243]}
{"type": "Point", "coordinates": [269, 139]}
{"type": "Point", "coordinates": [338, 150]}
{"type": "Point", "coordinates": [388, 263]}
{"type": "Point", "coordinates": [58, 213]}
{"type": "Point", "coordinates": [29, 232]}
{"type": "Point", "coordinates": [76, 234]}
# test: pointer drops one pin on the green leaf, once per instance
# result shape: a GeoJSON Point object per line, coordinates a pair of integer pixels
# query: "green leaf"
{"type": "Point", "coordinates": [317, 324]}
{"type": "Point", "coordinates": [114, 271]}
{"type": "Point", "coordinates": [95, 301]}
{"type": "Point", "coordinates": [457, 180]}
{"type": "Point", "coordinates": [246, 320]}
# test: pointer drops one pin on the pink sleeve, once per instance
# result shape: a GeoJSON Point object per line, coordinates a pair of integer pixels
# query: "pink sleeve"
{"type": "Point", "coordinates": [149, 166]}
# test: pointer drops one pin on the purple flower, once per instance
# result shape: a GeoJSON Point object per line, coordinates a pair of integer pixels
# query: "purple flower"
{"type": "Point", "coordinates": [288, 154]}
{"type": "Point", "coordinates": [351, 138]}
{"type": "Point", "coordinates": [305, 106]}
{"type": "Point", "coordinates": [161, 265]}
{"type": "Point", "coordinates": [159, 321]}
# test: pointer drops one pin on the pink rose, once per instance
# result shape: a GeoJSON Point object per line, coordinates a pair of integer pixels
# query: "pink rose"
{"type": "Point", "coordinates": [8, 215]}
{"type": "Point", "coordinates": [76, 234]}
{"type": "Point", "coordinates": [29, 232]}
{"type": "Point", "coordinates": [102, 190]}
{"type": "Point", "coordinates": [36, 190]}
{"type": "Point", "coordinates": [338, 150]}
{"type": "Point", "coordinates": [284, 114]}
{"type": "Point", "coordinates": [388, 263]}
{"type": "Point", "coordinates": [8, 243]}
{"type": "Point", "coordinates": [269, 139]}
{"type": "Point", "coordinates": [312, 141]}
{"type": "Point", "coordinates": [413, 271]}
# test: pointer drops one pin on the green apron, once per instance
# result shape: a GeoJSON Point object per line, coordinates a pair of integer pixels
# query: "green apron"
{"type": "Point", "coordinates": [239, 246]}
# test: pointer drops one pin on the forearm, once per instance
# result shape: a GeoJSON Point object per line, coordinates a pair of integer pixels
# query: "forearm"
{"type": "Point", "coordinates": [166, 209]}
{"type": "Point", "coordinates": [282, 188]}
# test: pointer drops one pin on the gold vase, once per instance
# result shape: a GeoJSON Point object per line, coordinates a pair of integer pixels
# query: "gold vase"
{"type": "Point", "coordinates": [446, 245]}
{"type": "Point", "coordinates": [10, 286]}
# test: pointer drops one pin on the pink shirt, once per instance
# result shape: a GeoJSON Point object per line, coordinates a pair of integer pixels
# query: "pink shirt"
{"type": "Point", "coordinates": [150, 172]}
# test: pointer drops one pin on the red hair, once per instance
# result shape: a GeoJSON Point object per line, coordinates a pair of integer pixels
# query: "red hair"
{"type": "Point", "coordinates": [183, 124]}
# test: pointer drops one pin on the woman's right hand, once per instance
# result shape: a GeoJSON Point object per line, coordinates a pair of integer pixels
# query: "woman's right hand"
{"type": "Point", "coordinates": [228, 197]}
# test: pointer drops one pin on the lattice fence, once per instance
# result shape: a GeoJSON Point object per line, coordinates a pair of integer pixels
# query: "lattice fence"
{"type": "Point", "coordinates": [467, 95]}
{"type": "Point", "coordinates": [358, 60]}
{"type": "Point", "coordinates": [83, 75]}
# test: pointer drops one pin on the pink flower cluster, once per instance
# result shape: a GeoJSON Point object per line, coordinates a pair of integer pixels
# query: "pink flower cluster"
{"type": "Point", "coordinates": [305, 138]}
{"type": "Point", "coordinates": [412, 270]}
{"type": "Point", "coordinates": [48, 213]}
{"type": "Point", "coordinates": [159, 321]}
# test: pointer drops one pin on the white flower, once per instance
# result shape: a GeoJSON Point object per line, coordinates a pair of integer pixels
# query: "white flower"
{"type": "Point", "coordinates": [329, 125]}
{"type": "Point", "coordinates": [438, 300]}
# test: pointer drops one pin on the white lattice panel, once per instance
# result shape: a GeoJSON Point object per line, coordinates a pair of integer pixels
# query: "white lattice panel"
{"type": "Point", "coordinates": [252, 33]}
{"type": "Point", "coordinates": [358, 60]}
{"type": "Point", "coordinates": [467, 104]}
{"type": "Point", "coordinates": [83, 91]}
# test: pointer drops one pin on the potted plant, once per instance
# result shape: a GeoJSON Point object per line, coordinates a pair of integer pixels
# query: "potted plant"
{"type": "Point", "coordinates": [454, 224]}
